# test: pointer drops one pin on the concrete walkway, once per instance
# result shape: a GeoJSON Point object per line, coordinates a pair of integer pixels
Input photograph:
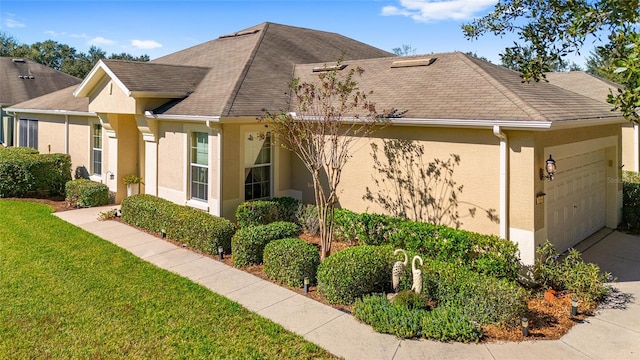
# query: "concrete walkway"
{"type": "Point", "coordinates": [614, 333]}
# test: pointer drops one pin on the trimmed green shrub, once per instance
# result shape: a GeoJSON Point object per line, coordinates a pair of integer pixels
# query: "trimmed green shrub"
{"type": "Point", "coordinates": [290, 260]}
{"type": "Point", "coordinates": [345, 226]}
{"type": "Point", "coordinates": [450, 324]}
{"type": "Point", "coordinates": [570, 272]}
{"type": "Point", "coordinates": [247, 245]}
{"type": "Point", "coordinates": [353, 272]}
{"type": "Point", "coordinates": [376, 229]}
{"type": "Point", "coordinates": [485, 254]}
{"type": "Point", "coordinates": [262, 212]}
{"type": "Point", "coordinates": [257, 212]}
{"type": "Point", "coordinates": [25, 172]}
{"type": "Point", "coordinates": [201, 230]}
{"type": "Point", "coordinates": [287, 208]}
{"type": "Point", "coordinates": [307, 216]}
{"type": "Point", "coordinates": [86, 193]}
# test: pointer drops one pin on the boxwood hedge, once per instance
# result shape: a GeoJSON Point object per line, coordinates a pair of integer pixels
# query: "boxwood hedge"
{"type": "Point", "coordinates": [201, 230]}
{"type": "Point", "coordinates": [262, 212]}
{"type": "Point", "coordinates": [86, 193]}
{"type": "Point", "coordinates": [25, 172]}
{"type": "Point", "coordinates": [248, 243]}
{"type": "Point", "coordinates": [290, 260]}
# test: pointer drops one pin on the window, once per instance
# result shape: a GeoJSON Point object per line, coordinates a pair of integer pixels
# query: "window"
{"type": "Point", "coordinates": [199, 164]}
{"type": "Point", "coordinates": [257, 172]}
{"type": "Point", "coordinates": [28, 133]}
{"type": "Point", "coordinates": [96, 150]}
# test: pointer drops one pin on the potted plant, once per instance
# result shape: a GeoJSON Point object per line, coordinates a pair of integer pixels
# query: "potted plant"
{"type": "Point", "coordinates": [133, 183]}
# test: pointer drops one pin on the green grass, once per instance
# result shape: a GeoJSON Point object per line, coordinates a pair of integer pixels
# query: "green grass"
{"type": "Point", "coordinates": [65, 293]}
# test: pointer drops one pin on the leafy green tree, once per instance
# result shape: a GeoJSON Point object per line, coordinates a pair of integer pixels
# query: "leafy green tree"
{"type": "Point", "coordinates": [404, 50]}
{"type": "Point", "coordinates": [8, 44]}
{"type": "Point", "coordinates": [553, 29]}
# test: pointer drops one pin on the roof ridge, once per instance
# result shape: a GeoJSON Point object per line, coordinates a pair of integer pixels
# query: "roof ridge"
{"type": "Point", "coordinates": [516, 99]}
{"type": "Point", "coordinates": [243, 76]}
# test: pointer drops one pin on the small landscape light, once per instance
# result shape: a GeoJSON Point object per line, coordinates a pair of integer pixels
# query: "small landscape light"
{"type": "Point", "coordinates": [220, 253]}
{"type": "Point", "coordinates": [574, 307]}
{"type": "Point", "coordinates": [525, 327]}
{"type": "Point", "coordinates": [306, 284]}
{"type": "Point", "coordinates": [163, 233]}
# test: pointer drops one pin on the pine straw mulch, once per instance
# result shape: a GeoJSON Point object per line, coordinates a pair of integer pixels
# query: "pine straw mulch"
{"type": "Point", "coordinates": [548, 320]}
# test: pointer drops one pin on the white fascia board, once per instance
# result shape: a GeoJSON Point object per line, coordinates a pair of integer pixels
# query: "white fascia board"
{"type": "Point", "coordinates": [51, 112]}
{"type": "Point", "coordinates": [191, 118]}
{"type": "Point", "coordinates": [90, 81]}
{"type": "Point", "coordinates": [151, 94]}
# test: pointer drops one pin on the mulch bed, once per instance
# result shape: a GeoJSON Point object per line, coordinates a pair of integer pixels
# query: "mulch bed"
{"type": "Point", "coordinates": [548, 320]}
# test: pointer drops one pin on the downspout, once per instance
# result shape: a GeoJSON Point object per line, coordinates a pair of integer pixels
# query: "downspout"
{"type": "Point", "coordinates": [504, 192]}
{"type": "Point", "coordinates": [66, 134]}
{"type": "Point", "coordinates": [14, 128]}
{"type": "Point", "coordinates": [218, 129]}
{"type": "Point", "coordinates": [636, 148]}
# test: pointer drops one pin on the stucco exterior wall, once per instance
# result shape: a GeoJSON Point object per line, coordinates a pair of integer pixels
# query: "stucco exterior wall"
{"type": "Point", "coordinates": [365, 188]}
{"type": "Point", "coordinates": [108, 97]}
{"type": "Point", "coordinates": [629, 148]}
{"type": "Point", "coordinates": [171, 161]}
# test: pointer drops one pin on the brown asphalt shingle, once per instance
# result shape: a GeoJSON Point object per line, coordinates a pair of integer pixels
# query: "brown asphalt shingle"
{"type": "Point", "coordinates": [460, 86]}
{"type": "Point", "coordinates": [583, 83]}
{"type": "Point", "coordinates": [39, 80]}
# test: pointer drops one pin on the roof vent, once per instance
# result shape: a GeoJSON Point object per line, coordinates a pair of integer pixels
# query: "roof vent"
{"type": "Point", "coordinates": [329, 68]}
{"type": "Point", "coordinates": [240, 33]}
{"type": "Point", "coordinates": [412, 63]}
{"type": "Point", "coordinates": [18, 60]}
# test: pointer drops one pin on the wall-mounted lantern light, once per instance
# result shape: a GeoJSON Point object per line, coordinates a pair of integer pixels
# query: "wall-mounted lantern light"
{"type": "Point", "coordinates": [550, 167]}
{"type": "Point", "coordinates": [111, 175]}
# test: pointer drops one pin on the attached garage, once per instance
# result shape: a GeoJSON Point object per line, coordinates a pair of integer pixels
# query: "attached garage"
{"type": "Point", "coordinates": [578, 197]}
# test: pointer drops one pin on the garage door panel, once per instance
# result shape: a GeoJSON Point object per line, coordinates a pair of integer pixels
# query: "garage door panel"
{"type": "Point", "coordinates": [576, 198]}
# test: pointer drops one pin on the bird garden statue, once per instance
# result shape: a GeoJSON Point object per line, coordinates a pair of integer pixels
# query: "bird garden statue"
{"type": "Point", "coordinates": [417, 275]}
{"type": "Point", "coordinates": [398, 269]}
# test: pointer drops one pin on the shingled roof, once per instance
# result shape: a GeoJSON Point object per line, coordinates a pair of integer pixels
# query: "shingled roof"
{"type": "Point", "coordinates": [583, 83]}
{"type": "Point", "coordinates": [24, 79]}
{"type": "Point", "coordinates": [61, 100]}
{"type": "Point", "coordinates": [460, 86]}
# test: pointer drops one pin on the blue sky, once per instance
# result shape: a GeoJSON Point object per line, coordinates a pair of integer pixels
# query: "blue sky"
{"type": "Point", "coordinates": [161, 27]}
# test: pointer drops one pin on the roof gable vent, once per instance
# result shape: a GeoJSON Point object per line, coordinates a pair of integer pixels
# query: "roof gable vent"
{"type": "Point", "coordinates": [412, 62]}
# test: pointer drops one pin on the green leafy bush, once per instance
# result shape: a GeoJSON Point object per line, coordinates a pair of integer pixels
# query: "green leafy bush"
{"type": "Point", "coordinates": [388, 318]}
{"type": "Point", "coordinates": [484, 299]}
{"type": "Point", "coordinates": [25, 172]}
{"type": "Point", "coordinates": [485, 254]}
{"type": "Point", "coordinates": [86, 193]}
{"type": "Point", "coordinates": [201, 230]}
{"type": "Point", "coordinates": [571, 273]}
{"type": "Point", "coordinates": [257, 212]}
{"type": "Point", "coordinates": [630, 201]}
{"type": "Point", "coordinates": [441, 323]}
{"type": "Point", "coordinates": [290, 260]}
{"type": "Point", "coordinates": [247, 245]}
{"type": "Point", "coordinates": [353, 272]}
{"type": "Point", "coordinates": [262, 212]}
{"type": "Point", "coordinates": [346, 224]}
{"type": "Point", "coordinates": [307, 217]}
{"type": "Point", "coordinates": [375, 229]}
{"type": "Point", "coordinates": [450, 324]}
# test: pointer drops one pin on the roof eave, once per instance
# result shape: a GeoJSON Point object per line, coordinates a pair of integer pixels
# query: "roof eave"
{"type": "Point", "coordinates": [198, 118]}
{"type": "Point", "coordinates": [94, 77]}
{"type": "Point", "coordinates": [159, 94]}
{"type": "Point", "coordinates": [51, 112]}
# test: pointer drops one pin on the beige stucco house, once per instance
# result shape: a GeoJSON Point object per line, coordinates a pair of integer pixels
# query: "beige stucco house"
{"type": "Point", "coordinates": [472, 136]}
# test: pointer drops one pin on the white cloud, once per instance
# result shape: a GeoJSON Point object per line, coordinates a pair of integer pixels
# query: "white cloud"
{"type": "Point", "coordinates": [54, 33]}
{"type": "Point", "coordinates": [145, 44]}
{"type": "Point", "coordinates": [11, 23]}
{"type": "Point", "coordinates": [79, 36]}
{"type": "Point", "coordinates": [100, 41]}
{"type": "Point", "coordinates": [433, 10]}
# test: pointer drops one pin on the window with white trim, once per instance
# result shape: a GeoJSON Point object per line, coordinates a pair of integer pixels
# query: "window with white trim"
{"type": "Point", "coordinates": [257, 165]}
{"type": "Point", "coordinates": [199, 166]}
{"type": "Point", "coordinates": [96, 149]}
{"type": "Point", "coordinates": [28, 129]}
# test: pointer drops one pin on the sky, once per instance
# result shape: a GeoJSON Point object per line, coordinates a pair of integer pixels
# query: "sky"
{"type": "Point", "coordinates": [161, 27]}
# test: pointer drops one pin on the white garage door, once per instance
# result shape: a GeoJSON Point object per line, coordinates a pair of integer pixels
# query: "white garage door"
{"type": "Point", "coordinates": [576, 198]}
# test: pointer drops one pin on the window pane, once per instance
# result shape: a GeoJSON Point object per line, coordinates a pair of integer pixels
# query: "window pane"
{"type": "Point", "coordinates": [97, 161]}
{"type": "Point", "coordinates": [199, 148]}
{"type": "Point", "coordinates": [199, 182]}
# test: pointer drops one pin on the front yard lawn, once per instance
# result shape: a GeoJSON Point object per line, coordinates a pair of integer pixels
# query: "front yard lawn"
{"type": "Point", "coordinates": [65, 293]}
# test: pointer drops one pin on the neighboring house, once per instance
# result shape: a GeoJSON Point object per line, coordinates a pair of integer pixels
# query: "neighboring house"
{"type": "Point", "coordinates": [466, 146]}
{"type": "Point", "coordinates": [598, 89]}
{"type": "Point", "coordinates": [21, 80]}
